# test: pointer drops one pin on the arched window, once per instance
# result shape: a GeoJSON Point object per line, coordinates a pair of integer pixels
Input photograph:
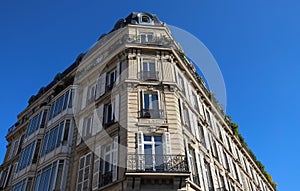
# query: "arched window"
{"type": "Point", "coordinates": [145, 19]}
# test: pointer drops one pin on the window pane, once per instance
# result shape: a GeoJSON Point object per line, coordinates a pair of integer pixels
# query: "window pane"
{"type": "Point", "coordinates": [147, 138]}
{"type": "Point", "coordinates": [146, 101]}
{"type": "Point", "coordinates": [66, 100]}
{"type": "Point", "coordinates": [59, 177]}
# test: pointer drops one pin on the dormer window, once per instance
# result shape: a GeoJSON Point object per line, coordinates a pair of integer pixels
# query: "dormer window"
{"type": "Point", "coordinates": [145, 19]}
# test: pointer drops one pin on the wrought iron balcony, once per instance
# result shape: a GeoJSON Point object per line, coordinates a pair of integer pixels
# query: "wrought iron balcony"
{"type": "Point", "coordinates": [157, 163]}
{"type": "Point", "coordinates": [148, 75]}
{"type": "Point", "coordinates": [152, 113]}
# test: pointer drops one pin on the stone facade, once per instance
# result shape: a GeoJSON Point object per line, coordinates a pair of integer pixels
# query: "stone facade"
{"type": "Point", "coordinates": [129, 114]}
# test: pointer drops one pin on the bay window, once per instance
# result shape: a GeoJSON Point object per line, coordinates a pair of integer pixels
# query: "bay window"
{"type": "Point", "coordinates": [36, 122]}
{"type": "Point", "coordinates": [20, 186]}
{"type": "Point", "coordinates": [54, 137]}
{"type": "Point", "coordinates": [62, 103]}
{"type": "Point", "coordinates": [26, 156]}
{"type": "Point", "coordinates": [50, 177]}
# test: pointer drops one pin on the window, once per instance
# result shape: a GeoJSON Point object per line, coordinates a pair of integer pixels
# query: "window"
{"type": "Point", "coordinates": [5, 176]}
{"type": "Point", "coordinates": [36, 122]}
{"type": "Point", "coordinates": [36, 152]}
{"type": "Point", "coordinates": [13, 149]}
{"type": "Point", "coordinates": [111, 79]}
{"type": "Point", "coordinates": [145, 19]}
{"type": "Point", "coordinates": [91, 94]}
{"type": "Point", "coordinates": [108, 114]}
{"type": "Point", "coordinates": [62, 103]}
{"type": "Point", "coordinates": [87, 127]}
{"type": "Point", "coordinates": [208, 118]}
{"type": "Point", "coordinates": [193, 167]}
{"type": "Point", "coordinates": [20, 186]}
{"type": "Point", "coordinates": [26, 156]}
{"type": "Point", "coordinates": [186, 119]}
{"type": "Point", "coordinates": [201, 135]}
{"type": "Point", "coordinates": [146, 37]}
{"type": "Point", "coordinates": [52, 139]}
{"type": "Point", "coordinates": [84, 169]}
{"type": "Point", "coordinates": [149, 72]}
{"type": "Point", "coordinates": [181, 84]}
{"type": "Point", "coordinates": [106, 167]}
{"type": "Point", "coordinates": [195, 102]}
{"type": "Point", "coordinates": [150, 105]}
{"type": "Point", "coordinates": [59, 175]}
{"type": "Point", "coordinates": [152, 153]}
{"type": "Point", "coordinates": [66, 132]}
{"type": "Point", "coordinates": [209, 176]}
{"type": "Point", "coordinates": [47, 176]}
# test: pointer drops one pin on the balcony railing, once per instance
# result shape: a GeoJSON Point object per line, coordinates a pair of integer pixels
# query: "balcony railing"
{"type": "Point", "coordinates": [148, 75]}
{"type": "Point", "coordinates": [156, 163]}
{"type": "Point", "coordinates": [152, 113]}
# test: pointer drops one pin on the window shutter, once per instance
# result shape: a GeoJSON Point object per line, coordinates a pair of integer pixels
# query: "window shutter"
{"type": "Point", "coordinates": [96, 122]}
{"type": "Point", "coordinates": [203, 171]}
{"type": "Point", "coordinates": [96, 169]}
{"type": "Point", "coordinates": [98, 86]}
{"type": "Point", "coordinates": [167, 143]}
{"type": "Point", "coordinates": [140, 150]}
{"type": "Point", "coordinates": [188, 154]}
{"type": "Point", "coordinates": [84, 96]}
{"type": "Point", "coordinates": [168, 71]}
{"type": "Point", "coordinates": [79, 134]}
{"type": "Point", "coordinates": [199, 168]}
{"type": "Point", "coordinates": [190, 95]}
{"type": "Point", "coordinates": [196, 127]}
{"type": "Point", "coordinates": [117, 107]}
{"type": "Point", "coordinates": [206, 138]}
{"type": "Point", "coordinates": [118, 73]}
{"type": "Point", "coordinates": [115, 159]}
{"type": "Point", "coordinates": [101, 85]}
{"type": "Point", "coordinates": [223, 133]}
{"type": "Point", "coordinates": [177, 75]}
{"type": "Point", "coordinates": [186, 88]}
{"type": "Point", "coordinates": [200, 106]}
{"type": "Point", "coordinates": [191, 121]}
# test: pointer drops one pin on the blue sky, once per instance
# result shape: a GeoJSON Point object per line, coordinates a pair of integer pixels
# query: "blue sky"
{"type": "Point", "coordinates": [256, 44]}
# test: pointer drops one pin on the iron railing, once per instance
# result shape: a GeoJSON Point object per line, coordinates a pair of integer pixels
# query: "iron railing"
{"type": "Point", "coordinates": [148, 75]}
{"type": "Point", "coordinates": [156, 163]}
{"type": "Point", "coordinates": [152, 113]}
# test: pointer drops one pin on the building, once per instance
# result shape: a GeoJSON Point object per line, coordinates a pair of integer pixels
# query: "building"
{"type": "Point", "coordinates": [129, 114]}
